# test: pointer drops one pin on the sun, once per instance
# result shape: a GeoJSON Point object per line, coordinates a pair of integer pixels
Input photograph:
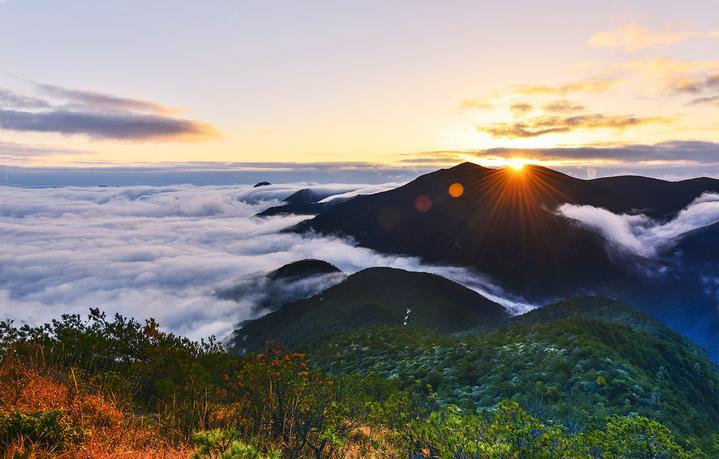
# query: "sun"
{"type": "Point", "coordinates": [517, 163]}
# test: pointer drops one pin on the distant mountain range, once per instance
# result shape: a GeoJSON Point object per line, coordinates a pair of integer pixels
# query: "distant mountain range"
{"type": "Point", "coordinates": [504, 223]}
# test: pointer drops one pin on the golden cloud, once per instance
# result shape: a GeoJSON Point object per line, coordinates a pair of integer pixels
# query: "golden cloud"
{"type": "Point", "coordinates": [568, 88]}
{"type": "Point", "coordinates": [550, 124]}
{"type": "Point", "coordinates": [635, 37]}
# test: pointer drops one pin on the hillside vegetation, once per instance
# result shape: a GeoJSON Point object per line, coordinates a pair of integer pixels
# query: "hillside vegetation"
{"type": "Point", "coordinates": [580, 387]}
{"type": "Point", "coordinates": [370, 297]}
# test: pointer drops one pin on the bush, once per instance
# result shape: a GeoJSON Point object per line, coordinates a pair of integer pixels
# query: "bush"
{"type": "Point", "coordinates": [227, 444]}
{"type": "Point", "coordinates": [43, 428]}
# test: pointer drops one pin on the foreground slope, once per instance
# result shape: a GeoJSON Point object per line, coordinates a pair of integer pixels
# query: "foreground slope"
{"type": "Point", "coordinates": [371, 297]}
{"type": "Point", "coordinates": [572, 363]}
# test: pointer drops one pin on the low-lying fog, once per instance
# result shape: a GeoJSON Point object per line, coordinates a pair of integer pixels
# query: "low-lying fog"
{"type": "Point", "coordinates": [164, 251]}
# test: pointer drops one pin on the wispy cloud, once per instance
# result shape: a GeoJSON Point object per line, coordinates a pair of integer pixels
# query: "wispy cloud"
{"type": "Point", "coordinates": [550, 124]}
{"type": "Point", "coordinates": [476, 104]}
{"type": "Point", "coordinates": [681, 152]}
{"type": "Point", "coordinates": [589, 85]}
{"type": "Point", "coordinates": [521, 109]}
{"type": "Point", "coordinates": [563, 106]}
{"type": "Point", "coordinates": [102, 101]}
{"type": "Point", "coordinates": [12, 152]}
{"type": "Point", "coordinates": [705, 100]}
{"type": "Point", "coordinates": [12, 99]}
{"type": "Point", "coordinates": [496, 99]}
{"type": "Point", "coordinates": [634, 37]}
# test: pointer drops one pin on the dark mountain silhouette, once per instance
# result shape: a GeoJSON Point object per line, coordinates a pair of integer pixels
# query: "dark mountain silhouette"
{"type": "Point", "coordinates": [370, 297]}
{"type": "Point", "coordinates": [303, 202]}
{"type": "Point", "coordinates": [291, 282]}
{"type": "Point", "coordinates": [303, 268]}
{"type": "Point", "coordinates": [504, 224]}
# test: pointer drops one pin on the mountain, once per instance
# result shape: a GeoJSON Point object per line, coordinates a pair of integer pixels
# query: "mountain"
{"type": "Point", "coordinates": [594, 307]}
{"type": "Point", "coordinates": [303, 269]}
{"type": "Point", "coordinates": [293, 281]}
{"type": "Point", "coordinates": [504, 224]}
{"type": "Point", "coordinates": [571, 363]}
{"type": "Point", "coordinates": [303, 202]}
{"type": "Point", "coordinates": [370, 297]}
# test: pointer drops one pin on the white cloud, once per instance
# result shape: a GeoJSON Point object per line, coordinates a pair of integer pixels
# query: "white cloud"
{"type": "Point", "coordinates": [163, 252]}
{"type": "Point", "coordinates": [639, 234]}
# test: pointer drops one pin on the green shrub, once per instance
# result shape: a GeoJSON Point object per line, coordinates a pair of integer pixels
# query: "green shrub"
{"type": "Point", "coordinates": [44, 428]}
{"type": "Point", "coordinates": [226, 444]}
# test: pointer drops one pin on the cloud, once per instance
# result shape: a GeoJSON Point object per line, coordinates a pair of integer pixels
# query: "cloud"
{"type": "Point", "coordinates": [635, 37]}
{"type": "Point", "coordinates": [476, 104]}
{"type": "Point", "coordinates": [97, 115]}
{"type": "Point", "coordinates": [521, 109]}
{"type": "Point", "coordinates": [563, 106]}
{"type": "Point", "coordinates": [550, 124]}
{"type": "Point", "coordinates": [11, 152]}
{"type": "Point", "coordinates": [120, 126]}
{"type": "Point", "coordinates": [12, 99]}
{"type": "Point", "coordinates": [104, 101]}
{"type": "Point", "coordinates": [714, 100]}
{"type": "Point", "coordinates": [677, 77]}
{"type": "Point", "coordinates": [693, 84]}
{"type": "Point", "coordinates": [573, 87]}
{"type": "Point", "coordinates": [639, 234]}
{"type": "Point", "coordinates": [591, 85]}
{"type": "Point", "coordinates": [163, 252]}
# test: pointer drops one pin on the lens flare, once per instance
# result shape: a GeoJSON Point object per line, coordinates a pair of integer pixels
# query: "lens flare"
{"type": "Point", "coordinates": [423, 203]}
{"type": "Point", "coordinates": [456, 190]}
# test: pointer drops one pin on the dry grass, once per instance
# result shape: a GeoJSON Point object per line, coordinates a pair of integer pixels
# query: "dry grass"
{"type": "Point", "coordinates": [107, 431]}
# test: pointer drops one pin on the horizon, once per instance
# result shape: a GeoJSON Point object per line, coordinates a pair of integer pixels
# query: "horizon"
{"type": "Point", "coordinates": [308, 174]}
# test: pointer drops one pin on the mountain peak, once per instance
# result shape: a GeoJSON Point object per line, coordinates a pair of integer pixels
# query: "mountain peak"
{"type": "Point", "coordinates": [373, 296]}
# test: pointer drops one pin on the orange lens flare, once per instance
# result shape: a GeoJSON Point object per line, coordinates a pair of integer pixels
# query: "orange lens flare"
{"type": "Point", "coordinates": [456, 190]}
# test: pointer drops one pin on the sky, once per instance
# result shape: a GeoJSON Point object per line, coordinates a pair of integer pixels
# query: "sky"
{"type": "Point", "coordinates": [592, 88]}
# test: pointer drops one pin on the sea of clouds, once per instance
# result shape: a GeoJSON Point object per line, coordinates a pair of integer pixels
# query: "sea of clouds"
{"type": "Point", "coordinates": [640, 235]}
{"type": "Point", "coordinates": [165, 252]}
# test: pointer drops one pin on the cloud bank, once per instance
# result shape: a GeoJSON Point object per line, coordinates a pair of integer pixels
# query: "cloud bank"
{"type": "Point", "coordinates": [163, 252]}
{"type": "Point", "coordinates": [641, 235]}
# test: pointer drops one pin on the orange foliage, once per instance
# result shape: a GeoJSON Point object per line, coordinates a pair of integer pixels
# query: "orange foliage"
{"type": "Point", "coordinates": [108, 432]}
